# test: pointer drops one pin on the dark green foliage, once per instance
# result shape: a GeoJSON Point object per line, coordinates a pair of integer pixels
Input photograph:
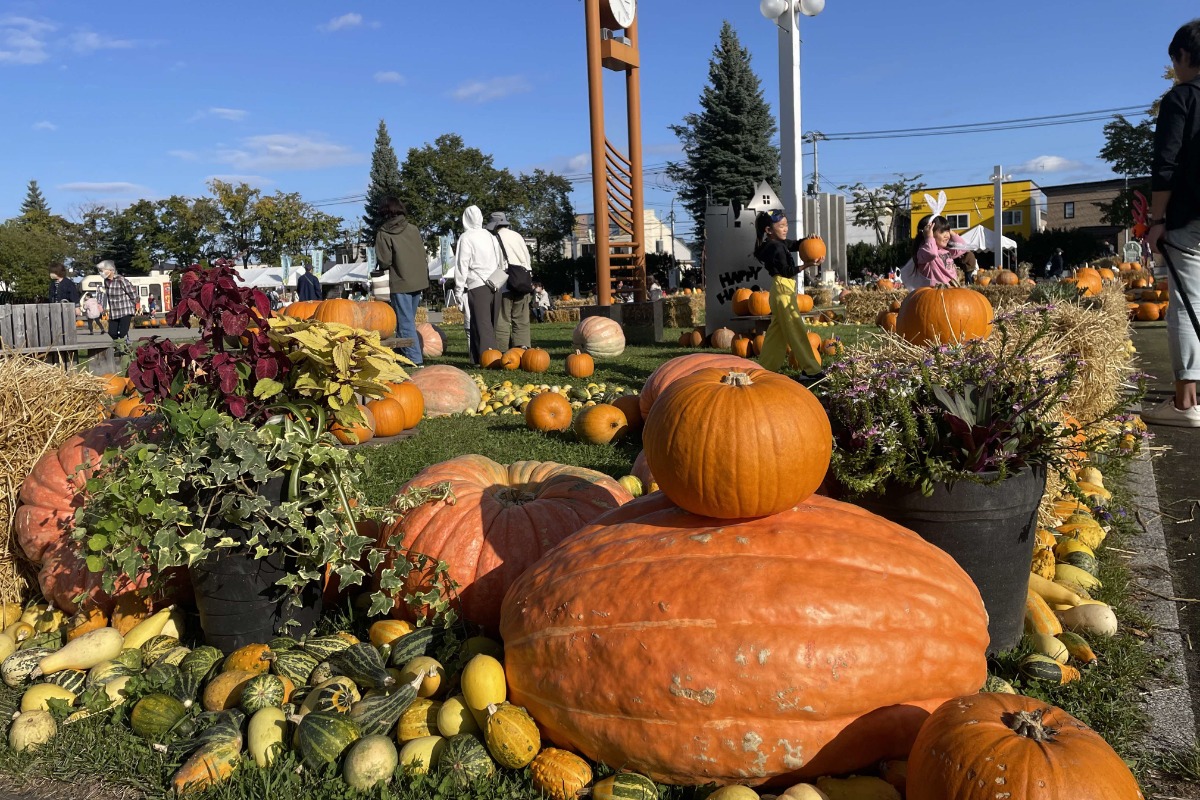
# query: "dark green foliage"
{"type": "Point", "coordinates": [385, 182]}
{"type": "Point", "coordinates": [34, 207]}
{"type": "Point", "coordinates": [727, 145]}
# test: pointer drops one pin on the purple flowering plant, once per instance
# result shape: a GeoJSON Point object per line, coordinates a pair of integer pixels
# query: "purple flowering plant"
{"type": "Point", "coordinates": [980, 410]}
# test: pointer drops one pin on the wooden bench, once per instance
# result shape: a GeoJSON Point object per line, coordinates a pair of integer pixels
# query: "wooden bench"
{"type": "Point", "coordinates": [49, 329]}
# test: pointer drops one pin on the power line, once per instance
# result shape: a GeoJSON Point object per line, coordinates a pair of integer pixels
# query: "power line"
{"type": "Point", "coordinates": [1019, 123]}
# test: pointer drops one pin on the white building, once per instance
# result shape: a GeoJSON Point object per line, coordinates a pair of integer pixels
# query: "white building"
{"type": "Point", "coordinates": [656, 235]}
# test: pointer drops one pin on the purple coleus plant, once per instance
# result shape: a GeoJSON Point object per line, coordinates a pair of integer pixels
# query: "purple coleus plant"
{"type": "Point", "coordinates": [232, 354]}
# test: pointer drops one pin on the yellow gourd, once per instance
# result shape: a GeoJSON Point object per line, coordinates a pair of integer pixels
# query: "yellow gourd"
{"type": "Point", "coordinates": [1066, 572]}
{"type": "Point", "coordinates": [7, 646]}
{"type": "Point", "coordinates": [803, 791]}
{"type": "Point", "coordinates": [454, 718]}
{"type": "Point", "coordinates": [1039, 618]}
{"type": "Point", "coordinates": [1049, 646]}
{"type": "Point", "coordinates": [265, 735]}
{"type": "Point", "coordinates": [422, 754]}
{"type": "Point", "coordinates": [1090, 618]}
{"type": "Point", "coordinates": [96, 647]}
{"type": "Point", "coordinates": [858, 788]}
{"type": "Point", "coordinates": [483, 684]}
{"type": "Point", "coordinates": [512, 736]}
{"type": "Point", "coordinates": [31, 729]}
{"type": "Point", "coordinates": [147, 629]}
{"type": "Point", "coordinates": [434, 675]}
{"type": "Point", "coordinates": [37, 697]}
{"type": "Point", "coordinates": [225, 690]}
{"type": "Point", "coordinates": [734, 793]}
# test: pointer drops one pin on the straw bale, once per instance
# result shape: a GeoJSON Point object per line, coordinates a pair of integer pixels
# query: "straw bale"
{"type": "Point", "coordinates": [561, 314]}
{"type": "Point", "coordinates": [41, 406]}
{"type": "Point", "coordinates": [864, 305]}
{"type": "Point", "coordinates": [453, 315]}
{"type": "Point", "coordinates": [1002, 297]}
{"type": "Point", "coordinates": [422, 315]}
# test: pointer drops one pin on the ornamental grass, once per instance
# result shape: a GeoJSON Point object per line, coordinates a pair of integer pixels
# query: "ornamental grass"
{"type": "Point", "coordinates": [41, 406]}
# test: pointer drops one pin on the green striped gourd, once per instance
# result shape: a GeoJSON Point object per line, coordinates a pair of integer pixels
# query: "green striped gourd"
{"type": "Point", "coordinates": [106, 672]}
{"type": "Point", "coordinates": [322, 647]}
{"type": "Point", "coordinates": [73, 680]}
{"type": "Point", "coordinates": [175, 655]}
{"type": "Point", "coordinates": [165, 677]}
{"type": "Point", "coordinates": [157, 647]}
{"type": "Point", "coordinates": [16, 669]}
{"type": "Point", "coordinates": [202, 661]}
{"type": "Point", "coordinates": [281, 643]}
{"type": "Point", "coordinates": [131, 658]}
{"type": "Point", "coordinates": [1083, 561]}
{"type": "Point", "coordinates": [362, 664]}
{"type": "Point", "coordinates": [512, 736]}
{"type": "Point", "coordinates": [262, 691]}
{"type": "Point", "coordinates": [378, 712]}
{"type": "Point", "coordinates": [156, 715]}
{"type": "Point", "coordinates": [50, 640]}
{"type": "Point", "coordinates": [322, 737]}
{"type": "Point", "coordinates": [465, 760]}
{"type": "Point", "coordinates": [1043, 668]}
{"type": "Point", "coordinates": [625, 786]}
{"type": "Point", "coordinates": [296, 665]}
{"type": "Point", "coordinates": [213, 761]}
{"type": "Point", "coordinates": [336, 695]}
{"type": "Point", "coordinates": [421, 642]}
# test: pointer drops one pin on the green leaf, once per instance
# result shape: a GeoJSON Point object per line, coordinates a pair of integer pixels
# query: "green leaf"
{"type": "Point", "coordinates": [266, 388]}
{"type": "Point", "coordinates": [95, 564]}
{"type": "Point", "coordinates": [98, 542]}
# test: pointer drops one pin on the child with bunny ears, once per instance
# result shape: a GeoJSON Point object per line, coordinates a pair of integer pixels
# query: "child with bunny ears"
{"type": "Point", "coordinates": [934, 249]}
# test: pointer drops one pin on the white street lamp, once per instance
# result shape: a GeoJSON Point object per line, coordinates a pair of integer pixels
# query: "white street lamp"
{"type": "Point", "coordinates": [786, 13]}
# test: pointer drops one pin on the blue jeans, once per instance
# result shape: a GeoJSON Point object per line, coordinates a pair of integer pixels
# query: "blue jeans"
{"type": "Point", "coordinates": [405, 305]}
{"type": "Point", "coordinates": [1182, 339]}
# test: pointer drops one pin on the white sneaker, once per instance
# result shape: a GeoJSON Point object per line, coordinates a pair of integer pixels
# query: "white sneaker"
{"type": "Point", "coordinates": [1165, 413]}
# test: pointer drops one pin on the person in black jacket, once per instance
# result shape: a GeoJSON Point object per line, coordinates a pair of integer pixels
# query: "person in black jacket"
{"type": "Point", "coordinates": [62, 288]}
{"type": "Point", "coordinates": [1175, 223]}
{"type": "Point", "coordinates": [774, 251]}
{"type": "Point", "coordinates": [308, 286]}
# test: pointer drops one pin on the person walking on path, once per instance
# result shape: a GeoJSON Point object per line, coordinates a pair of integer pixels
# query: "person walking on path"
{"type": "Point", "coordinates": [62, 288]}
{"type": "Point", "coordinates": [399, 250]}
{"type": "Point", "coordinates": [1175, 223]}
{"type": "Point", "coordinates": [479, 272]}
{"type": "Point", "coordinates": [121, 300]}
{"type": "Point", "coordinates": [787, 329]}
{"type": "Point", "coordinates": [308, 286]}
{"type": "Point", "coordinates": [513, 328]}
{"type": "Point", "coordinates": [92, 311]}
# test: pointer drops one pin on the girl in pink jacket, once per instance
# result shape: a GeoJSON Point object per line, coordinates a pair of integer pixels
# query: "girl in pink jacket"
{"type": "Point", "coordinates": [934, 249]}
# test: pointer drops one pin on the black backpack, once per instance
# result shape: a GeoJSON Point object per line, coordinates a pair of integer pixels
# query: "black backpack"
{"type": "Point", "coordinates": [520, 280]}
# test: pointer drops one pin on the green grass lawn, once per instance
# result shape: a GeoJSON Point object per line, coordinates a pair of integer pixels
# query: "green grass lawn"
{"type": "Point", "coordinates": [505, 438]}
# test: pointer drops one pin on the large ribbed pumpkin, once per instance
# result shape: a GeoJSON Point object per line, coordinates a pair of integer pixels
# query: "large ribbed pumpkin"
{"type": "Point", "coordinates": [993, 745]}
{"type": "Point", "coordinates": [503, 518]}
{"type": "Point", "coordinates": [339, 310]}
{"type": "Point", "coordinates": [737, 443]}
{"type": "Point", "coordinates": [812, 642]}
{"type": "Point", "coordinates": [433, 341]}
{"type": "Point", "coordinates": [670, 371]}
{"type": "Point", "coordinates": [378, 316]}
{"type": "Point", "coordinates": [446, 389]}
{"type": "Point", "coordinates": [947, 315]}
{"type": "Point", "coordinates": [599, 337]}
{"type": "Point", "coordinates": [46, 517]}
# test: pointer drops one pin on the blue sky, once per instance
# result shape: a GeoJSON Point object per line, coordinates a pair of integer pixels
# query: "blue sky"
{"type": "Point", "coordinates": [109, 102]}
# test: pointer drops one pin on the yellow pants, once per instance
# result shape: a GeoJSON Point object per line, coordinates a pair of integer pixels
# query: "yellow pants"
{"type": "Point", "coordinates": [786, 330]}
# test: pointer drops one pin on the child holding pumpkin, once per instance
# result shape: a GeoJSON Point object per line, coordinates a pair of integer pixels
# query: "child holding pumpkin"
{"type": "Point", "coordinates": [774, 251]}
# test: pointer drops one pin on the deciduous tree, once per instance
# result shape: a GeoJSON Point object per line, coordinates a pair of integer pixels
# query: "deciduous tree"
{"type": "Point", "coordinates": [885, 209]}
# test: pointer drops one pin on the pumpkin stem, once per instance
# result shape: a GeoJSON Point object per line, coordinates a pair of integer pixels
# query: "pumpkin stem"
{"type": "Point", "coordinates": [513, 496]}
{"type": "Point", "coordinates": [737, 379]}
{"type": "Point", "coordinates": [1029, 724]}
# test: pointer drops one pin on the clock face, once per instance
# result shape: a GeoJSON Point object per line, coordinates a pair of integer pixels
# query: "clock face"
{"type": "Point", "coordinates": [623, 11]}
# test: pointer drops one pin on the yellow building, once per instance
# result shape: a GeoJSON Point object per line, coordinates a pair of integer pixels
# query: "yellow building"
{"type": "Point", "coordinates": [968, 206]}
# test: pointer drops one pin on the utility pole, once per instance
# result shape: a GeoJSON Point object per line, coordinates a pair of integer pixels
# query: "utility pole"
{"type": "Point", "coordinates": [998, 178]}
{"type": "Point", "coordinates": [815, 136]}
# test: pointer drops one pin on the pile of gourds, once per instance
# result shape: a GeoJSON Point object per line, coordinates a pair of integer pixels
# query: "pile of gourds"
{"type": "Point", "coordinates": [369, 706]}
{"type": "Point", "coordinates": [1059, 610]}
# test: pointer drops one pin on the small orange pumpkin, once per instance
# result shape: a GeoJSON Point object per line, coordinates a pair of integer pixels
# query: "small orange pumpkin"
{"type": "Point", "coordinates": [691, 339]}
{"type": "Point", "coordinates": [490, 359]}
{"type": "Point", "coordinates": [1147, 312]}
{"type": "Point", "coordinates": [600, 424]}
{"type": "Point", "coordinates": [411, 401]}
{"type": "Point", "coordinates": [357, 432]}
{"type": "Point", "coordinates": [388, 415]}
{"type": "Point", "coordinates": [1007, 278]}
{"type": "Point", "coordinates": [887, 321]}
{"type": "Point", "coordinates": [548, 411]}
{"type": "Point", "coordinates": [630, 406]}
{"type": "Point", "coordinates": [339, 310]}
{"type": "Point", "coordinates": [511, 360]}
{"type": "Point", "coordinates": [721, 338]}
{"type": "Point", "coordinates": [760, 304]}
{"type": "Point", "coordinates": [741, 346]}
{"type": "Point", "coordinates": [947, 315]}
{"type": "Point", "coordinates": [741, 302]}
{"type": "Point", "coordinates": [535, 360]}
{"type": "Point", "coordinates": [580, 365]}
{"type": "Point", "coordinates": [812, 249]}
{"type": "Point", "coordinates": [804, 303]}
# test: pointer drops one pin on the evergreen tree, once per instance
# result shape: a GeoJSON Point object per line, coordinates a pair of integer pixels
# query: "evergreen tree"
{"type": "Point", "coordinates": [727, 146]}
{"type": "Point", "coordinates": [35, 208]}
{"type": "Point", "coordinates": [385, 182]}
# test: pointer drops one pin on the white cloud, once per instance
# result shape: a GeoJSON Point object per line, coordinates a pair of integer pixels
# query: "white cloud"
{"type": "Point", "coordinates": [1048, 164]}
{"type": "Point", "coordinates": [579, 163]}
{"type": "Point", "coordinates": [45, 125]}
{"type": "Point", "coordinates": [344, 22]}
{"type": "Point", "coordinates": [105, 187]}
{"type": "Point", "coordinates": [228, 113]}
{"type": "Point", "coordinates": [183, 155]}
{"type": "Point", "coordinates": [89, 42]}
{"type": "Point", "coordinates": [23, 40]}
{"type": "Point", "coordinates": [389, 77]}
{"type": "Point", "coordinates": [493, 89]}
{"type": "Point", "coordinates": [286, 151]}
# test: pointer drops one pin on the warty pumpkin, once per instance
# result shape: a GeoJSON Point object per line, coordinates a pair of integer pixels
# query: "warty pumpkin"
{"type": "Point", "coordinates": [729, 444]}
{"type": "Point", "coordinates": [987, 744]}
{"type": "Point", "coordinates": [548, 411]}
{"type": "Point", "coordinates": [947, 315]}
{"type": "Point", "coordinates": [599, 337]}
{"type": "Point", "coordinates": [670, 371]}
{"type": "Point", "coordinates": [503, 518]}
{"type": "Point", "coordinates": [446, 389]}
{"type": "Point", "coordinates": [773, 648]}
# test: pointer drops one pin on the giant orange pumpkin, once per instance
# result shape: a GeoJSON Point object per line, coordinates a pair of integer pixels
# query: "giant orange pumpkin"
{"type": "Point", "coordinates": [599, 337]}
{"type": "Point", "coordinates": [741, 651]}
{"type": "Point", "coordinates": [501, 520]}
{"type": "Point", "coordinates": [433, 341]}
{"type": "Point", "coordinates": [987, 745]}
{"type": "Point", "coordinates": [741, 302]}
{"type": "Point", "coordinates": [728, 444]}
{"type": "Point", "coordinates": [46, 517]}
{"type": "Point", "coordinates": [412, 402]}
{"type": "Point", "coordinates": [947, 315]}
{"type": "Point", "coordinates": [759, 304]}
{"type": "Point", "coordinates": [670, 371]}
{"type": "Point", "coordinates": [447, 390]}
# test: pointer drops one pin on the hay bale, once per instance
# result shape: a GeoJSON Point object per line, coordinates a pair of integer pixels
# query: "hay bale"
{"type": "Point", "coordinates": [1003, 297]}
{"type": "Point", "coordinates": [41, 406]}
{"type": "Point", "coordinates": [822, 296]}
{"type": "Point", "coordinates": [562, 314]}
{"type": "Point", "coordinates": [453, 315]}
{"type": "Point", "coordinates": [422, 315]}
{"type": "Point", "coordinates": [863, 305]}
{"type": "Point", "coordinates": [683, 311]}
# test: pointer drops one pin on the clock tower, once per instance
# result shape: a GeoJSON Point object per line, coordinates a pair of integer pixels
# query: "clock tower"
{"type": "Point", "coordinates": [617, 187]}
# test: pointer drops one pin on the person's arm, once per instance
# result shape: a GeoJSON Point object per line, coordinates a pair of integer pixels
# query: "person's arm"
{"type": "Point", "coordinates": [522, 252]}
{"type": "Point", "coordinates": [926, 253]}
{"type": "Point", "coordinates": [1169, 134]}
{"type": "Point", "coordinates": [383, 252]}
{"type": "Point", "coordinates": [792, 244]}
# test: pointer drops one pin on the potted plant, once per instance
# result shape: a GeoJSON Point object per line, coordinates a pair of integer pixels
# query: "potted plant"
{"type": "Point", "coordinates": [239, 481]}
{"type": "Point", "coordinates": [954, 442]}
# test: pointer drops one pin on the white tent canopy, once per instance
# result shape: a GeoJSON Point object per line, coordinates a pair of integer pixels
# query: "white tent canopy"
{"type": "Point", "coordinates": [981, 238]}
{"type": "Point", "coordinates": [355, 271]}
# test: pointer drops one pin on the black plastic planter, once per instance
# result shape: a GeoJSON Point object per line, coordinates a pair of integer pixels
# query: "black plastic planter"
{"type": "Point", "coordinates": [988, 529]}
{"type": "Point", "coordinates": [237, 596]}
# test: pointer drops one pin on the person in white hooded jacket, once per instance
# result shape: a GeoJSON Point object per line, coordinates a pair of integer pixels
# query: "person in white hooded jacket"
{"type": "Point", "coordinates": [480, 278]}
